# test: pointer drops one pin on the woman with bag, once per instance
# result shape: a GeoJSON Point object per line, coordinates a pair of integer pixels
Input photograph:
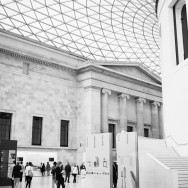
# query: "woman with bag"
{"type": "Point", "coordinates": [74, 173]}
{"type": "Point", "coordinates": [29, 174]}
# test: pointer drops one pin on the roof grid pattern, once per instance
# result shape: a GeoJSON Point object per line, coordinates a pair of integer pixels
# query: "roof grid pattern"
{"type": "Point", "coordinates": [113, 30]}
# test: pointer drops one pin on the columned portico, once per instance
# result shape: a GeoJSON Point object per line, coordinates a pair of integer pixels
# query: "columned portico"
{"type": "Point", "coordinates": [123, 111]}
{"type": "Point", "coordinates": [140, 115]}
{"type": "Point", "coordinates": [155, 119]}
{"type": "Point", "coordinates": [104, 115]}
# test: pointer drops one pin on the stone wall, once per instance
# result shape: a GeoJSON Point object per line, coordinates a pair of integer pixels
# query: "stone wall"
{"type": "Point", "coordinates": [47, 92]}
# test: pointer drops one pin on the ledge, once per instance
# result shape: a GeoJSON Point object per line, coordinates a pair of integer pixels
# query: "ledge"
{"type": "Point", "coordinates": [43, 147]}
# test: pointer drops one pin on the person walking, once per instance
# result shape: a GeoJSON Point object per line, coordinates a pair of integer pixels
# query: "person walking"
{"type": "Point", "coordinates": [10, 173]}
{"type": "Point", "coordinates": [29, 174]}
{"type": "Point", "coordinates": [82, 171]}
{"type": "Point", "coordinates": [53, 174]}
{"type": "Point", "coordinates": [59, 175]}
{"type": "Point", "coordinates": [67, 172]}
{"type": "Point", "coordinates": [74, 172]}
{"type": "Point", "coordinates": [16, 174]}
{"type": "Point", "coordinates": [48, 168]}
{"type": "Point", "coordinates": [43, 169]}
{"type": "Point", "coordinates": [22, 171]}
{"type": "Point", "coordinates": [115, 174]}
{"type": "Point", "coordinates": [27, 164]}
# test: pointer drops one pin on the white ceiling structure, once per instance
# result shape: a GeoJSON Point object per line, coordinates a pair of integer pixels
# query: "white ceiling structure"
{"type": "Point", "coordinates": [104, 30]}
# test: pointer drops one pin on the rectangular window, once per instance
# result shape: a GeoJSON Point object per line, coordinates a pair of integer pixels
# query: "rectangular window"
{"type": "Point", "coordinates": [111, 129]}
{"type": "Point", "coordinates": [37, 130]}
{"type": "Point", "coordinates": [129, 129]}
{"type": "Point", "coordinates": [146, 132]}
{"type": "Point", "coordinates": [64, 133]}
{"type": "Point", "coordinates": [5, 125]}
{"type": "Point", "coordinates": [180, 30]}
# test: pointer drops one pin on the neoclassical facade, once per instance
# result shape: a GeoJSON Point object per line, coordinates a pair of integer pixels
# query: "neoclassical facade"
{"type": "Point", "coordinates": [51, 99]}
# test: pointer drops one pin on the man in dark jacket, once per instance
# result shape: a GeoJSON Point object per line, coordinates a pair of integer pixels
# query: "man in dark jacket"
{"type": "Point", "coordinates": [16, 174]}
{"type": "Point", "coordinates": [115, 174]}
{"type": "Point", "coordinates": [67, 172]}
{"type": "Point", "coordinates": [59, 175]}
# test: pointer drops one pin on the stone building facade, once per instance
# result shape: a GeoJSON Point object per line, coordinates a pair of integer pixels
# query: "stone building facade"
{"type": "Point", "coordinates": [71, 96]}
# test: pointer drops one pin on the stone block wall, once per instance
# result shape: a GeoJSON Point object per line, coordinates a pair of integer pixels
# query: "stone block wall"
{"type": "Point", "coordinates": [46, 91]}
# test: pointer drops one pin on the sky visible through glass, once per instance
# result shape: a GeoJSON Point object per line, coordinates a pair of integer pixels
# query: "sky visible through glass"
{"type": "Point", "coordinates": [104, 30]}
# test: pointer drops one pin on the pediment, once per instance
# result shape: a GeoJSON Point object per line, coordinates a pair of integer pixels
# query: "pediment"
{"type": "Point", "coordinates": [135, 71]}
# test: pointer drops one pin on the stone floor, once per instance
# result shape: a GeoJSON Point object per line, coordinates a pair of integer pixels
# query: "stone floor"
{"type": "Point", "coordinates": [39, 181]}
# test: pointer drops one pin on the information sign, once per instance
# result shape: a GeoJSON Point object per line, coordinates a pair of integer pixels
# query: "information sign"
{"type": "Point", "coordinates": [127, 160]}
{"type": "Point", "coordinates": [98, 161]}
{"type": "Point", "coordinates": [8, 150]}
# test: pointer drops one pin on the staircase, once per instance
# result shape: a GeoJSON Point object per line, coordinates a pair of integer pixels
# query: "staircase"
{"type": "Point", "coordinates": [181, 165]}
{"type": "Point", "coordinates": [167, 156]}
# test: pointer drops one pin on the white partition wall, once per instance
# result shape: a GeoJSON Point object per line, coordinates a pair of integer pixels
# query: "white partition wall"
{"type": "Point", "coordinates": [99, 161]}
{"type": "Point", "coordinates": [127, 160]}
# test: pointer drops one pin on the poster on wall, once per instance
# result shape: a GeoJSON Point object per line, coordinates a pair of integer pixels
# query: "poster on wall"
{"type": "Point", "coordinates": [98, 161]}
{"type": "Point", "coordinates": [12, 156]}
{"type": "Point", "coordinates": [127, 160]}
{"type": "Point", "coordinates": [8, 151]}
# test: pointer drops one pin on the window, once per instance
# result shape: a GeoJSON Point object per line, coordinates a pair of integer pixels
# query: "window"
{"type": "Point", "coordinates": [111, 129]}
{"type": "Point", "coordinates": [64, 133]}
{"type": "Point", "coordinates": [37, 130]}
{"type": "Point", "coordinates": [181, 30]}
{"type": "Point", "coordinates": [5, 125]}
{"type": "Point", "coordinates": [146, 132]}
{"type": "Point", "coordinates": [129, 129]}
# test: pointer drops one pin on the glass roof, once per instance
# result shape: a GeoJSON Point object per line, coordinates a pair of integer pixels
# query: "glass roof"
{"type": "Point", "coordinates": [110, 30]}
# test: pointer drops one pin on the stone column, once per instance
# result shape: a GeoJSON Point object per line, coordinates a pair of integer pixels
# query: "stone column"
{"type": "Point", "coordinates": [92, 109]}
{"type": "Point", "coordinates": [155, 119]}
{"type": "Point", "coordinates": [104, 114]}
{"type": "Point", "coordinates": [140, 116]}
{"type": "Point", "coordinates": [123, 111]}
{"type": "Point", "coordinates": [161, 125]}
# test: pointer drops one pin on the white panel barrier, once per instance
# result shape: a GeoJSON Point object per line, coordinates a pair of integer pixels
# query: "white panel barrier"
{"type": "Point", "coordinates": [98, 161]}
{"type": "Point", "coordinates": [127, 160]}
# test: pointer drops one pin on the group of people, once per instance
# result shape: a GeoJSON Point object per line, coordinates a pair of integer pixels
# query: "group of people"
{"type": "Point", "coordinates": [58, 172]}
{"type": "Point", "coordinates": [16, 173]}
{"type": "Point", "coordinates": [44, 168]}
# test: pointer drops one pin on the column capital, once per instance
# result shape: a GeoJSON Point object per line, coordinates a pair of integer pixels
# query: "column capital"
{"type": "Point", "coordinates": [141, 100]}
{"type": "Point", "coordinates": [124, 96]}
{"type": "Point", "coordinates": [156, 103]}
{"type": "Point", "coordinates": [106, 91]}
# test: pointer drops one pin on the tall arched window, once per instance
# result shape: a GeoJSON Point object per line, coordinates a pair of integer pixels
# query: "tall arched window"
{"type": "Point", "coordinates": [181, 30]}
{"type": "Point", "coordinates": [184, 31]}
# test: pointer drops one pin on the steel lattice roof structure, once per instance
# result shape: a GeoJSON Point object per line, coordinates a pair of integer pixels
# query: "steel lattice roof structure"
{"type": "Point", "coordinates": [104, 30]}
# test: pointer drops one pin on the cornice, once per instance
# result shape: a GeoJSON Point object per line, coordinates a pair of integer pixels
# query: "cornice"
{"type": "Point", "coordinates": [111, 73]}
{"type": "Point", "coordinates": [35, 60]}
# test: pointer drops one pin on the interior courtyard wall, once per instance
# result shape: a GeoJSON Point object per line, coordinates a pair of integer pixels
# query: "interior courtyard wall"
{"type": "Point", "coordinates": [174, 77]}
{"type": "Point", "coordinates": [46, 92]}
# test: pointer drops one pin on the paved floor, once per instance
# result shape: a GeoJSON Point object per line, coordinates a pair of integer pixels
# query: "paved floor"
{"type": "Point", "coordinates": [39, 181]}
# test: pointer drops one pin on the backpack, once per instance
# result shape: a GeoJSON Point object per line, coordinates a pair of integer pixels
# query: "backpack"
{"type": "Point", "coordinates": [30, 173]}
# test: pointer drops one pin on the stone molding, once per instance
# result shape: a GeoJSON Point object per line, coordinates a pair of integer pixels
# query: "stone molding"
{"type": "Point", "coordinates": [35, 60]}
{"type": "Point", "coordinates": [92, 87]}
{"type": "Point", "coordinates": [124, 96]}
{"type": "Point", "coordinates": [114, 74]}
{"type": "Point", "coordinates": [141, 100]}
{"type": "Point", "coordinates": [106, 91]}
{"type": "Point", "coordinates": [155, 103]}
